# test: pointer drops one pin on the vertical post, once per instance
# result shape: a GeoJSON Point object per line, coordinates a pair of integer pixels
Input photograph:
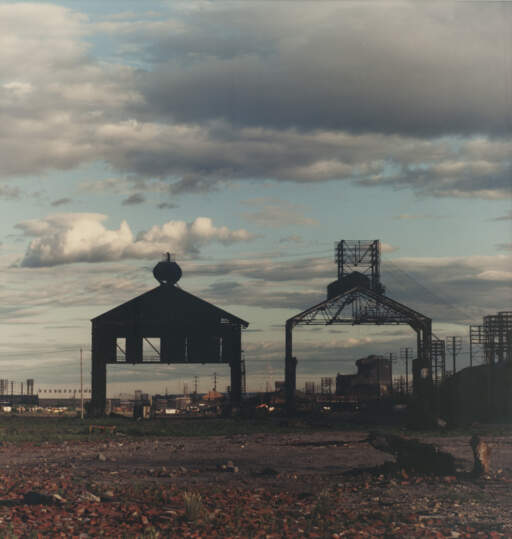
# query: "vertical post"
{"type": "Point", "coordinates": [236, 368]}
{"type": "Point", "coordinates": [81, 386]}
{"type": "Point", "coordinates": [289, 370]}
{"type": "Point", "coordinates": [378, 377]}
{"type": "Point", "coordinates": [102, 344]}
{"type": "Point", "coordinates": [470, 347]}
{"type": "Point", "coordinates": [391, 369]}
{"type": "Point", "coordinates": [454, 355]}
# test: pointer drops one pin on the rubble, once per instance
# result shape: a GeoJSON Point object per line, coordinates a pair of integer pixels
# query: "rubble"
{"type": "Point", "coordinates": [286, 486]}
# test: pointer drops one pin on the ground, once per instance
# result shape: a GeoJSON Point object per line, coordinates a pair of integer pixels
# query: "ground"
{"type": "Point", "coordinates": [273, 481]}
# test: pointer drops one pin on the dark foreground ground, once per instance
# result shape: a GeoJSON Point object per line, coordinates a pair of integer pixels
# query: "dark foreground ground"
{"type": "Point", "coordinates": [270, 482]}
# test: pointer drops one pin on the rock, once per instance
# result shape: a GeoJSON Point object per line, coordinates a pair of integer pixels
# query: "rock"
{"type": "Point", "coordinates": [58, 498]}
{"type": "Point", "coordinates": [108, 496]}
{"type": "Point", "coordinates": [90, 497]}
{"type": "Point", "coordinates": [102, 457]}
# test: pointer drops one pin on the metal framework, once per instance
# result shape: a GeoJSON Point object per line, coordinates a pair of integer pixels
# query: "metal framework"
{"type": "Point", "coordinates": [363, 305]}
{"type": "Point", "coordinates": [493, 338]}
{"type": "Point", "coordinates": [360, 255]}
{"type": "Point", "coordinates": [438, 360]}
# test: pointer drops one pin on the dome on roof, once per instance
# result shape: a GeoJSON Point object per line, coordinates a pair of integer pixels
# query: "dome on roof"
{"type": "Point", "coordinates": [167, 271]}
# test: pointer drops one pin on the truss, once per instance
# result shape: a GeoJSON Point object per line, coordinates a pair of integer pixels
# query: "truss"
{"type": "Point", "coordinates": [359, 306]}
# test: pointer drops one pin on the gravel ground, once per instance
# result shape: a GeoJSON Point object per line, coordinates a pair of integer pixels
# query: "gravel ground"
{"type": "Point", "coordinates": [318, 484]}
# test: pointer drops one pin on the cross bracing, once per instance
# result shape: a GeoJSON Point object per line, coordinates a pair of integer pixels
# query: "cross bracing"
{"type": "Point", "coordinates": [358, 306]}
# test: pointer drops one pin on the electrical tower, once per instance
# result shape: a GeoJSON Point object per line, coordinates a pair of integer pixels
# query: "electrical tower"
{"type": "Point", "coordinates": [438, 360]}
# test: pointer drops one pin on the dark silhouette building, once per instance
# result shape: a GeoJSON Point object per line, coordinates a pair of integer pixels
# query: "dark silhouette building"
{"type": "Point", "coordinates": [373, 379]}
{"type": "Point", "coordinates": [178, 326]}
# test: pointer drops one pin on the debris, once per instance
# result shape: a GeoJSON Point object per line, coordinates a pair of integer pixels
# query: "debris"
{"type": "Point", "coordinates": [413, 455]}
{"type": "Point", "coordinates": [102, 457]}
{"type": "Point", "coordinates": [89, 497]}
{"type": "Point", "coordinates": [108, 495]}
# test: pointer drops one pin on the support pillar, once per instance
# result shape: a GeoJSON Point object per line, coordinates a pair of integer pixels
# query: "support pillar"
{"type": "Point", "coordinates": [100, 343]}
{"type": "Point", "coordinates": [290, 370]}
{"type": "Point", "coordinates": [236, 367]}
{"type": "Point", "coordinates": [423, 388]}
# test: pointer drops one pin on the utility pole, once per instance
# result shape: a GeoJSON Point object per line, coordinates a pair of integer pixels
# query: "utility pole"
{"type": "Point", "coordinates": [405, 354]}
{"type": "Point", "coordinates": [81, 385]}
{"type": "Point", "coordinates": [454, 345]}
{"type": "Point", "coordinates": [214, 381]}
{"type": "Point", "coordinates": [391, 369]}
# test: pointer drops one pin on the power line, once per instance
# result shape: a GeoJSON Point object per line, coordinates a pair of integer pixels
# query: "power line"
{"type": "Point", "coordinates": [430, 292]}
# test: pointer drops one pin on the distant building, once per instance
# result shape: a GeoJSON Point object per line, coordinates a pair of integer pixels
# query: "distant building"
{"type": "Point", "coordinates": [279, 385]}
{"type": "Point", "coordinates": [373, 379]}
{"type": "Point", "coordinates": [310, 388]}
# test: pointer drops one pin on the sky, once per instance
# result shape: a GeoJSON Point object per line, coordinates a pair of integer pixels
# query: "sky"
{"type": "Point", "coordinates": [246, 138]}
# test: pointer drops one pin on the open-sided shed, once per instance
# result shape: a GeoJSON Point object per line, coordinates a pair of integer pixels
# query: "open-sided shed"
{"type": "Point", "coordinates": [178, 326]}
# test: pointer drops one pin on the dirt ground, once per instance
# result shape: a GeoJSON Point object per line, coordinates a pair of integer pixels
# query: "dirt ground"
{"type": "Point", "coordinates": [314, 484]}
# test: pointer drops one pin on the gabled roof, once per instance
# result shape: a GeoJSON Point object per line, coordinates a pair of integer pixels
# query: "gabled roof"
{"type": "Point", "coordinates": [167, 302]}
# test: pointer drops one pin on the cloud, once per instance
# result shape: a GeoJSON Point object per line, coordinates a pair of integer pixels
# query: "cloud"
{"type": "Point", "coordinates": [8, 192]}
{"type": "Point", "coordinates": [61, 201]}
{"type": "Point", "coordinates": [293, 238]}
{"type": "Point", "coordinates": [83, 237]}
{"type": "Point", "coordinates": [447, 289]}
{"type": "Point", "coordinates": [231, 96]}
{"type": "Point", "coordinates": [414, 69]}
{"type": "Point", "coordinates": [506, 217]}
{"type": "Point", "coordinates": [404, 216]}
{"type": "Point", "coordinates": [167, 206]}
{"type": "Point", "coordinates": [136, 198]}
{"type": "Point", "coordinates": [276, 213]}
{"type": "Point", "coordinates": [193, 183]}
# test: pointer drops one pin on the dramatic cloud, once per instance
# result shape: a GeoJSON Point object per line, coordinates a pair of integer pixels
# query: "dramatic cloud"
{"type": "Point", "coordinates": [82, 237]}
{"type": "Point", "coordinates": [409, 105]}
{"type": "Point", "coordinates": [406, 68]}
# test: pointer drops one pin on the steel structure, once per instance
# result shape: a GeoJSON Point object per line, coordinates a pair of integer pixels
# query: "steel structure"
{"type": "Point", "coordinates": [438, 360]}
{"type": "Point", "coordinates": [493, 339]}
{"type": "Point", "coordinates": [356, 298]}
{"type": "Point", "coordinates": [176, 326]}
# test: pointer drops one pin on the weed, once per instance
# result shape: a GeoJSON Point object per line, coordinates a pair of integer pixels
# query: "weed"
{"type": "Point", "coordinates": [194, 508]}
